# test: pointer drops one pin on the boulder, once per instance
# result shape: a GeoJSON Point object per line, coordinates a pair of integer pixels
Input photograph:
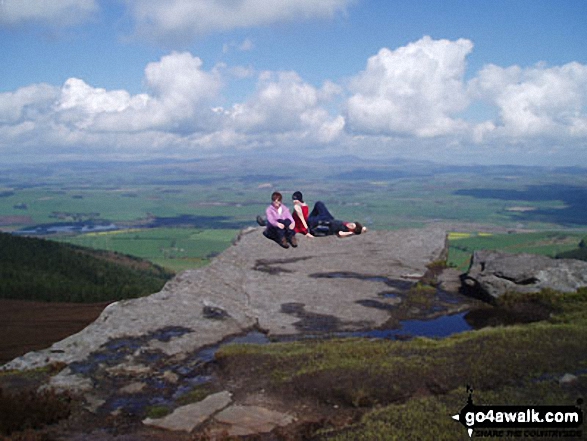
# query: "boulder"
{"type": "Point", "coordinates": [493, 273]}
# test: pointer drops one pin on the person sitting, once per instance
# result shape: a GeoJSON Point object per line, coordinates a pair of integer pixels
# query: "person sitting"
{"type": "Point", "coordinates": [300, 214]}
{"type": "Point", "coordinates": [280, 223]}
{"type": "Point", "coordinates": [322, 223]}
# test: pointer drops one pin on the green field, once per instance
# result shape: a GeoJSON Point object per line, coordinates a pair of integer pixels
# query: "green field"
{"type": "Point", "coordinates": [179, 214]}
{"type": "Point", "coordinates": [173, 248]}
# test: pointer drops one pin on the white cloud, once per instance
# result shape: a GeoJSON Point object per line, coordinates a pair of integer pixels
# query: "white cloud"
{"type": "Point", "coordinates": [26, 103]}
{"type": "Point", "coordinates": [180, 85]}
{"type": "Point", "coordinates": [418, 91]}
{"type": "Point", "coordinates": [280, 100]}
{"type": "Point", "coordinates": [536, 101]}
{"type": "Point", "coordinates": [51, 12]}
{"type": "Point", "coordinates": [77, 95]}
{"type": "Point", "coordinates": [178, 101]}
{"type": "Point", "coordinates": [78, 116]}
{"type": "Point", "coordinates": [413, 90]}
{"type": "Point", "coordinates": [284, 103]}
{"type": "Point", "coordinates": [189, 18]}
{"type": "Point", "coordinates": [410, 100]}
{"type": "Point", "coordinates": [82, 105]}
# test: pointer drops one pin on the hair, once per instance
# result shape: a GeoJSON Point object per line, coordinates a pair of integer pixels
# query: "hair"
{"type": "Point", "coordinates": [297, 196]}
{"type": "Point", "coordinates": [358, 228]}
{"type": "Point", "coordinates": [276, 196]}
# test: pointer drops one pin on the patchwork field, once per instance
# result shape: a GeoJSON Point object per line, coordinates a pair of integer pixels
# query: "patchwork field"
{"type": "Point", "coordinates": [180, 214]}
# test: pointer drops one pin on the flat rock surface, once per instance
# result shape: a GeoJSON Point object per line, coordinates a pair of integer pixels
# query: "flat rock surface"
{"type": "Point", "coordinates": [248, 420]}
{"type": "Point", "coordinates": [325, 284]}
{"type": "Point", "coordinates": [153, 352]}
{"type": "Point", "coordinates": [188, 417]}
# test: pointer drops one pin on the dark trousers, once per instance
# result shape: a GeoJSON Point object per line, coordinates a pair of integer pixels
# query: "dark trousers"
{"type": "Point", "coordinates": [319, 214]}
{"type": "Point", "coordinates": [322, 223]}
{"type": "Point", "coordinates": [277, 234]}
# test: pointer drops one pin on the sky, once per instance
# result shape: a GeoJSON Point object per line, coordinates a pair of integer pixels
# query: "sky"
{"type": "Point", "coordinates": [452, 81]}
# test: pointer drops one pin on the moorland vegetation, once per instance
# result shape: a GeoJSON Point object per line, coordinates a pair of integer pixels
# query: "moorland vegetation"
{"type": "Point", "coordinates": [399, 390]}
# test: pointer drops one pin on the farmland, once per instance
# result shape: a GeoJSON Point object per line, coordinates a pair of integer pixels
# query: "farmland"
{"type": "Point", "coordinates": [180, 214]}
{"type": "Point", "coordinates": [173, 248]}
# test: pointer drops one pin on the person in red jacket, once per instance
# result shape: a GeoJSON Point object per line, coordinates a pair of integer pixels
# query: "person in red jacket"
{"type": "Point", "coordinates": [300, 214]}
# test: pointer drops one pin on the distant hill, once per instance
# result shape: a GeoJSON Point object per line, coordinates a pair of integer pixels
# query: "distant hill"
{"type": "Point", "coordinates": [42, 270]}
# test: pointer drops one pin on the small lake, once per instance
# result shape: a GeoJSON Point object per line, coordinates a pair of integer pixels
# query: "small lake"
{"type": "Point", "coordinates": [93, 226]}
{"type": "Point", "coordinates": [62, 228]}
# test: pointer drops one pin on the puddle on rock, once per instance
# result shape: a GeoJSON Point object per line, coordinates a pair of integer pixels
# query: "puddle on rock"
{"type": "Point", "coordinates": [391, 296]}
{"type": "Point", "coordinates": [192, 372]}
{"type": "Point", "coordinates": [196, 370]}
{"type": "Point", "coordinates": [171, 379]}
{"type": "Point", "coordinates": [442, 326]}
{"type": "Point", "coordinates": [438, 327]}
{"type": "Point", "coordinates": [115, 351]}
{"type": "Point", "coordinates": [168, 380]}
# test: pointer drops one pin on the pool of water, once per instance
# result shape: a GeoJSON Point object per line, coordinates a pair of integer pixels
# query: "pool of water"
{"type": "Point", "coordinates": [74, 227]}
{"type": "Point", "coordinates": [195, 370]}
{"type": "Point", "coordinates": [439, 327]}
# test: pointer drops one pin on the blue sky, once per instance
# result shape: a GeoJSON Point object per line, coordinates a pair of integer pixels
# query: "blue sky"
{"type": "Point", "coordinates": [454, 81]}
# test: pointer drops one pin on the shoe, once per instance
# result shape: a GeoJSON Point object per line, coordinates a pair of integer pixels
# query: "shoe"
{"type": "Point", "coordinates": [294, 242]}
{"type": "Point", "coordinates": [261, 221]}
{"type": "Point", "coordinates": [283, 243]}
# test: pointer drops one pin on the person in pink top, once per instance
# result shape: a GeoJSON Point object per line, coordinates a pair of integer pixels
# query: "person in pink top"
{"type": "Point", "coordinates": [280, 222]}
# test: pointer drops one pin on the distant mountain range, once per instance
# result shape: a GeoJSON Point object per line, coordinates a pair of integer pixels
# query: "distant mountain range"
{"type": "Point", "coordinates": [249, 165]}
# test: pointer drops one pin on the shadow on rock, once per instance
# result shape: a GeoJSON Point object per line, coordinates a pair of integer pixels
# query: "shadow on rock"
{"type": "Point", "coordinates": [311, 321]}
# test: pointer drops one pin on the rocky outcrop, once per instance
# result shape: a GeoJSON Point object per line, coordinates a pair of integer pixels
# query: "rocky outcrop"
{"type": "Point", "coordinates": [493, 274]}
{"type": "Point", "coordinates": [153, 352]}
{"type": "Point", "coordinates": [324, 284]}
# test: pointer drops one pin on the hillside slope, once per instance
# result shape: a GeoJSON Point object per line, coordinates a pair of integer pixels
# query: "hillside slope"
{"type": "Point", "coordinates": [37, 269]}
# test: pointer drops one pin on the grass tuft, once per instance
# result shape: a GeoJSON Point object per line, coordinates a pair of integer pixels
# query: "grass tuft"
{"type": "Point", "coordinates": [31, 410]}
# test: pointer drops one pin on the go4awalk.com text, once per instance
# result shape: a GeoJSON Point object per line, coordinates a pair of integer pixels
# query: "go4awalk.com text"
{"type": "Point", "coordinates": [531, 421]}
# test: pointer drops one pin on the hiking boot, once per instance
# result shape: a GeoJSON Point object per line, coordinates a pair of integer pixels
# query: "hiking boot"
{"type": "Point", "coordinates": [293, 241]}
{"type": "Point", "coordinates": [283, 242]}
{"type": "Point", "coordinates": [261, 221]}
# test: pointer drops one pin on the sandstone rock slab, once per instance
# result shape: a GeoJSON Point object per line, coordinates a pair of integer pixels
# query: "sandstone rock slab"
{"type": "Point", "coordinates": [249, 420]}
{"type": "Point", "coordinates": [327, 284]}
{"type": "Point", "coordinates": [187, 418]}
